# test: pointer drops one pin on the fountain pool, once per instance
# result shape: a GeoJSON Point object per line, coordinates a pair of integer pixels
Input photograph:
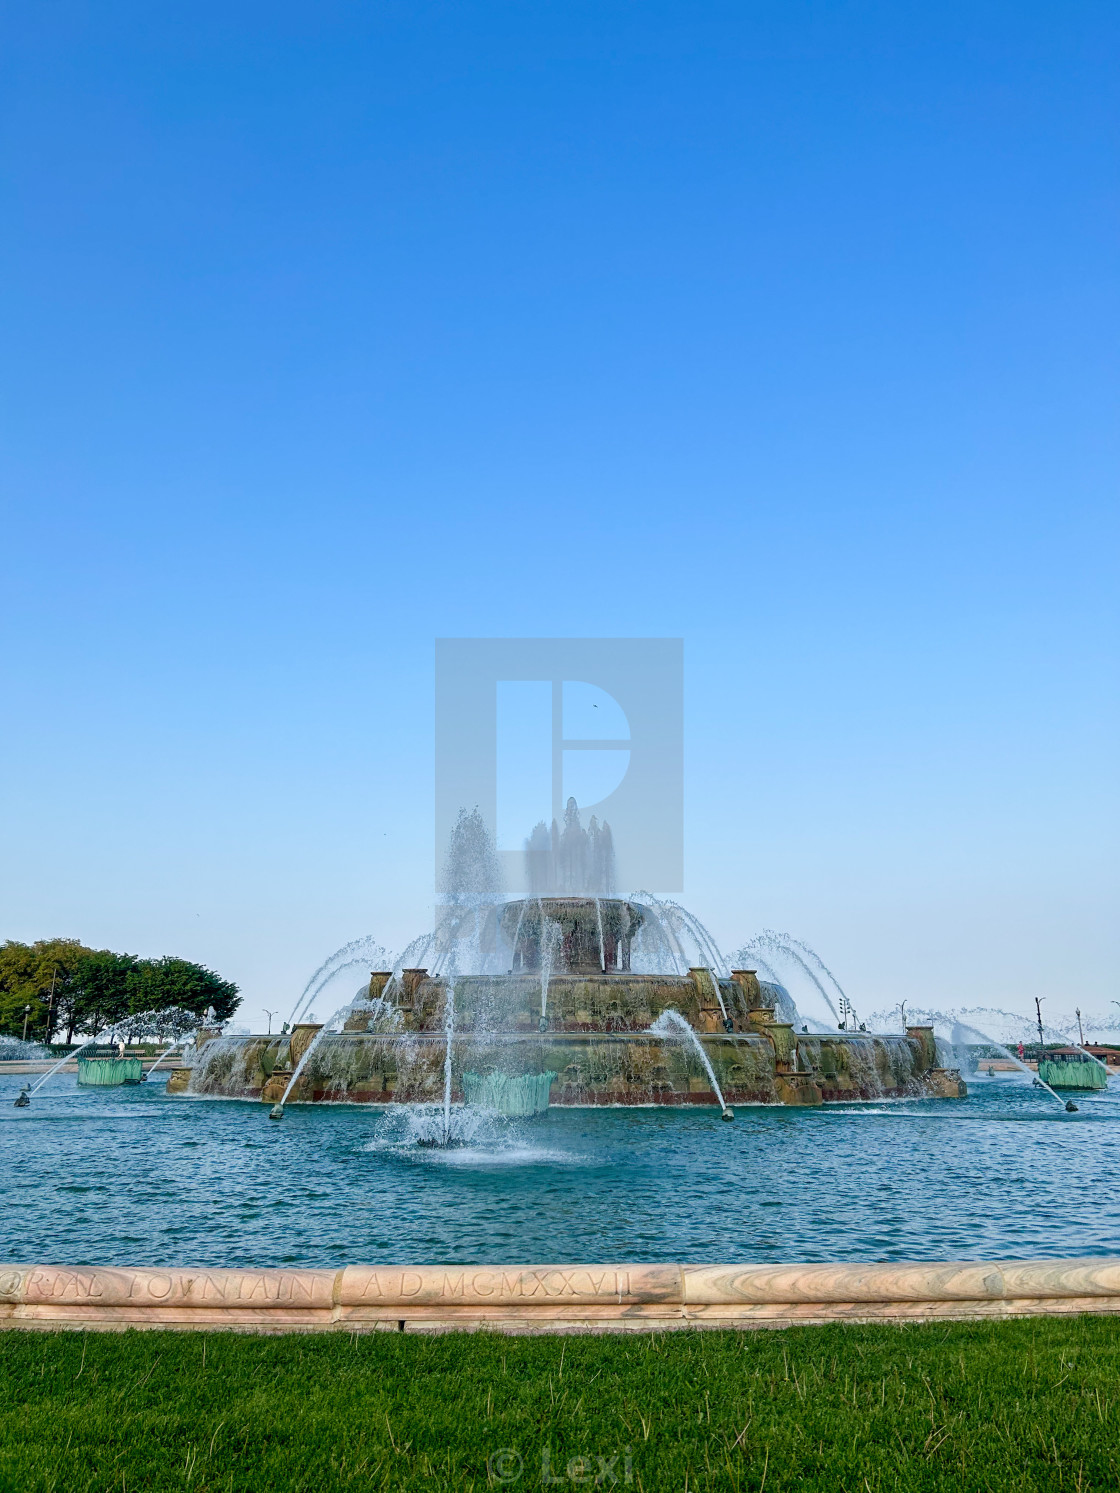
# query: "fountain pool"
{"type": "Point", "coordinates": [133, 1176]}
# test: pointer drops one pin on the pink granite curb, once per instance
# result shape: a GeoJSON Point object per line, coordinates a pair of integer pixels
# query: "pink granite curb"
{"type": "Point", "coordinates": [550, 1298]}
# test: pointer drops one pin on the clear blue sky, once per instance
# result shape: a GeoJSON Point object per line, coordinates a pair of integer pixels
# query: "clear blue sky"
{"type": "Point", "coordinates": [789, 329]}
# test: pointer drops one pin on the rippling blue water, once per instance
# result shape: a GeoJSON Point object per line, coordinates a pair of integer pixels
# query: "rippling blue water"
{"type": "Point", "coordinates": [133, 1177]}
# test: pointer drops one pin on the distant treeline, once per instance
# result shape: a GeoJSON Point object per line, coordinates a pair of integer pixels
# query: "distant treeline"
{"type": "Point", "coordinates": [73, 989]}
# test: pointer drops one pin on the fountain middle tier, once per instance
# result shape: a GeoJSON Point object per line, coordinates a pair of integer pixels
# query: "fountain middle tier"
{"type": "Point", "coordinates": [595, 1047]}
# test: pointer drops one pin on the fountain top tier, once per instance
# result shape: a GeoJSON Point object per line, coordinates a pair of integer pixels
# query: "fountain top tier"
{"type": "Point", "coordinates": [586, 935]}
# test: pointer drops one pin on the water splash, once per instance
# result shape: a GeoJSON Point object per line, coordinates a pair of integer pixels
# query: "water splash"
{"type": "Point", "coordinates": [277, 1111]}
{"type": "Point", "coordinates": [27, 1093]}
{"type": "Point", "coordinates": [438, 1126]}
{"type": "Point", "coordinates": [552, 938]}
{"type": "Point", "coordinates": [15, 1050]}
{"type": "Point", "coordinates": [364, 951]}
{"type": "Point", "coordinates": [479, 1137]}
{"type": "Point", "coordinates": [182, 1042]}
{"type": "Point", "coordinates": [672, 1024]}
{"type": "Point", "coordinates": [449, 1031]}
{"type": "Point", "coordinates": [781, 945]}
{"type": "Point", "coordinates": [1019, 1063]}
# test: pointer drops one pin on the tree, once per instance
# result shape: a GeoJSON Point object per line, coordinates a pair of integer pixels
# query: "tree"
{"type": "Point", "coordinates": [96, 988]}
{"type": "Point", "coordinates": [100, 993]}
{"type": "Point", "coordinates": [39, 975]}
{"type": "Point", "coordinates": [161, 985]}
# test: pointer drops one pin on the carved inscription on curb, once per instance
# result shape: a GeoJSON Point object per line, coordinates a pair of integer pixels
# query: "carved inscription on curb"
{"type": "Point", "coordinates": [53, 1285]}
{"type": "Point", "coordinates": [515, 1285]}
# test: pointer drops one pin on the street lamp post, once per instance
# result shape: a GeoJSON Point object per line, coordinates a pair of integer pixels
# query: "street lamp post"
{"type": "Point", "coordinates": [26, 1014]}
{"type": "Point", "coordinates": [1038, 1012]}
{"type": "Point", "coordinates": [270, 1015]}
{"type": "Point", "coordinates": [50, 1003]}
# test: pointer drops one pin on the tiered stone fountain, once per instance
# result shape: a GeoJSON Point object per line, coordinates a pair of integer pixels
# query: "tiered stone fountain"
{"type": "Point", "coordinates": [571, 1007]}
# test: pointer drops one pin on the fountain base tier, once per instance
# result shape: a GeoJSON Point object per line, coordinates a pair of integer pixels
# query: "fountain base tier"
{"type": "Point", "coordinates": [577, 1069]}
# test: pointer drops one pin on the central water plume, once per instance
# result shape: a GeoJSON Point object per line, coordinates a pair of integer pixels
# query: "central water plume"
{"type": "Point", "coordinates": [672, 1024]}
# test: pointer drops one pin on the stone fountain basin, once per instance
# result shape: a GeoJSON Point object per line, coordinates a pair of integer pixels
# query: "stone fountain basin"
{"type": "Point", "coordinates": [593, 1068]}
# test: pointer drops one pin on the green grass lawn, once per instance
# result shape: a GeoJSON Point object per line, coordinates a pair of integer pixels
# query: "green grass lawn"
{"type": "Point", "coordinates": [845, 1409]}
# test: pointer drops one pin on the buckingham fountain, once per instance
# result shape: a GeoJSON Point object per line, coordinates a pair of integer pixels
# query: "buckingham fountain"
{"type": "Point", "coordinates": [581, 1001]}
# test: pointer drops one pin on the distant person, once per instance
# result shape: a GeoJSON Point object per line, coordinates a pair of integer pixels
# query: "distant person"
{"type": "Point", "coordinates": [1020, 1052]}
{"type": "Point", "coordinates": [120, 1048]}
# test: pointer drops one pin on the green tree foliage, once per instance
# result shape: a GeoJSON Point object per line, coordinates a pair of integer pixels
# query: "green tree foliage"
{"type": "Point", "coordinates": [38, 975]}
{"type": "Point", "coordinates": [71, 988]}
{"type": "Point", "coordinates": [99, 992]}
